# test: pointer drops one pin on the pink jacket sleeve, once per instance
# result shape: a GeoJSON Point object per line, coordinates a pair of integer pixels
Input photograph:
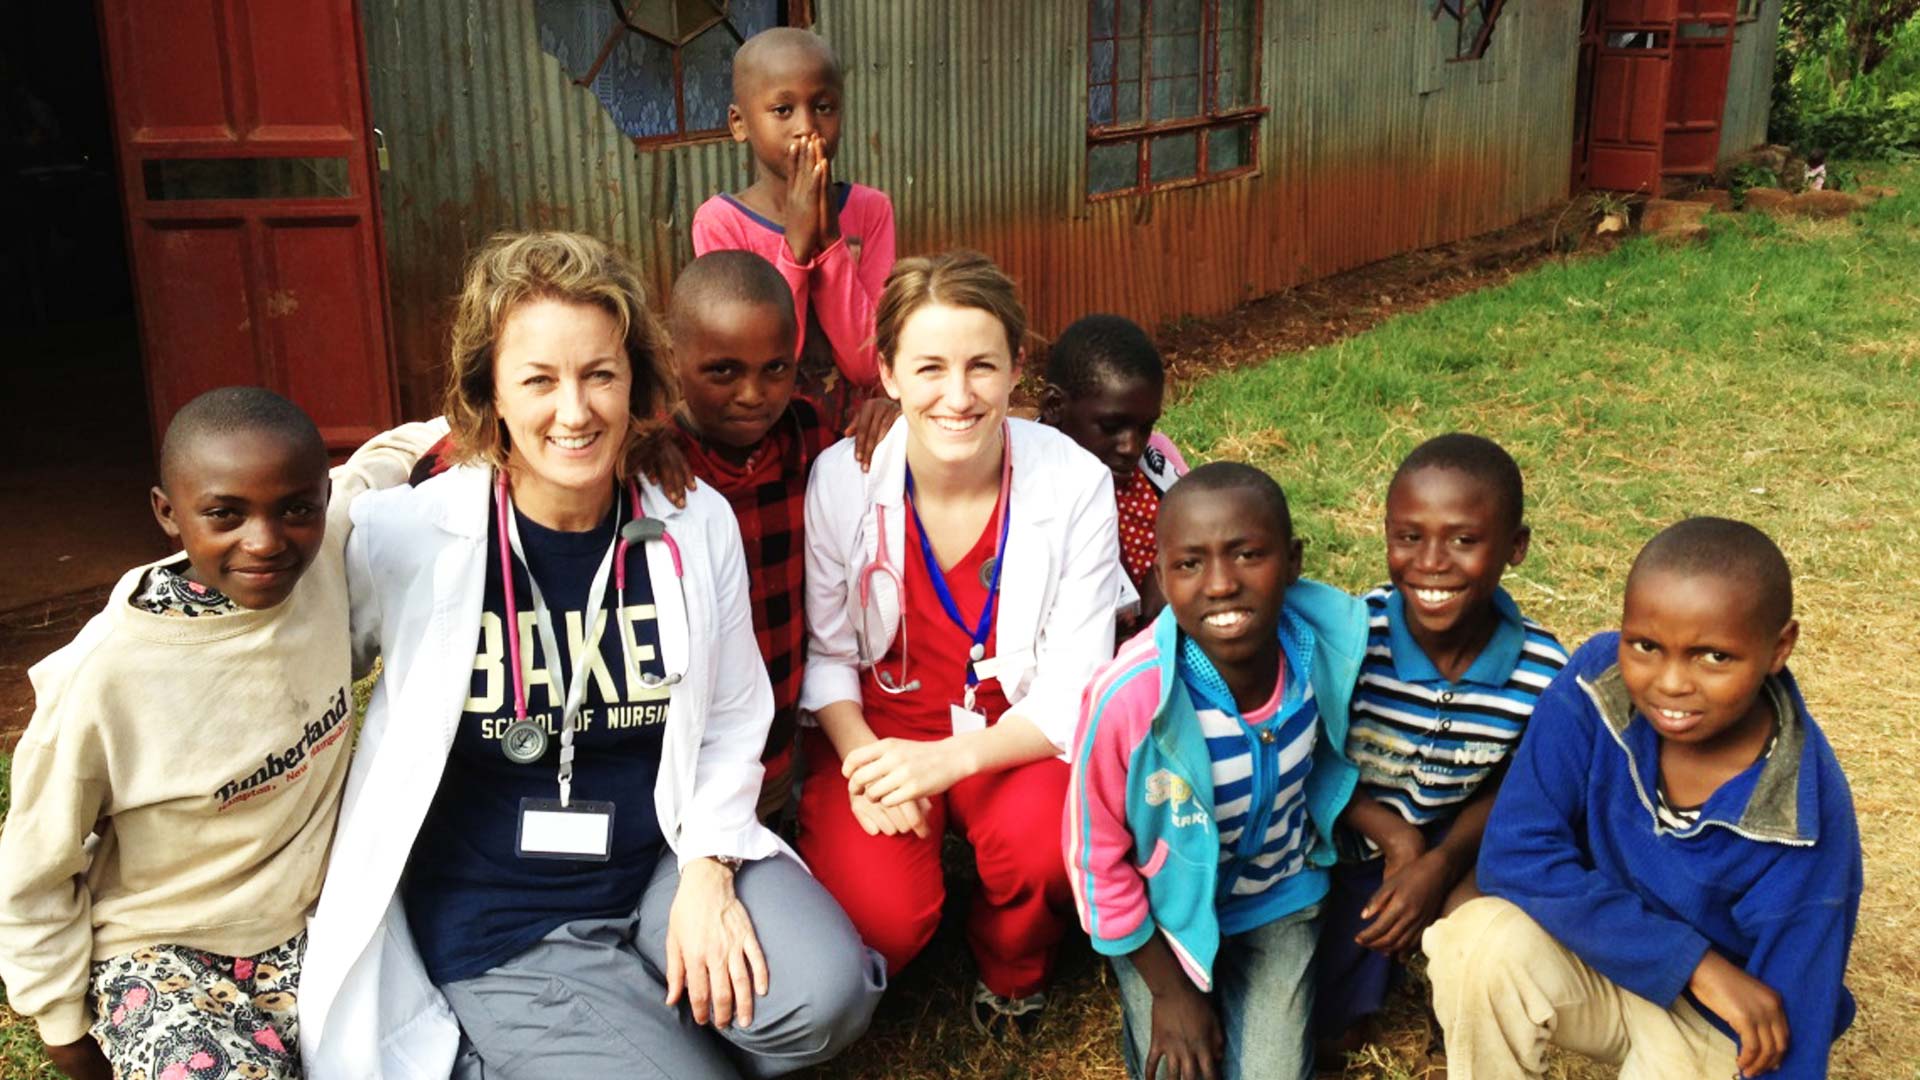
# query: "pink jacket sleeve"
{"type": "Point", "coordinates": [719, 225]}
{"type": "Point", "coordinates": [846, 286]}
{"type": "Point", "coordinates": [1175, 461]}
{"type": "Point", "coordinates": [1109, 889]}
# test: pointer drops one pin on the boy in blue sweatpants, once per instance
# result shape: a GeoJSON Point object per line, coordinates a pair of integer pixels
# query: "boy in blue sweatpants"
{"type": "Point", "coordinates": [1673, 867]}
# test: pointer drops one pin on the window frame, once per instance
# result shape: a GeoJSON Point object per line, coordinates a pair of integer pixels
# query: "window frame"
{"type": "Point", "coordinates": [1477, 49]}
{"type": "Point", "coordinates": [1144, 131]}
{"type": "Point", "coordinates": [1749, 10]}
{"type": "Point", "coordinates": [794, 13]}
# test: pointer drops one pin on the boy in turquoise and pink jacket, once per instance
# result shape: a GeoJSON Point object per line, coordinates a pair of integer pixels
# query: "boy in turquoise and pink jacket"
{"type": "Point", "coordinates": [1207, 777]}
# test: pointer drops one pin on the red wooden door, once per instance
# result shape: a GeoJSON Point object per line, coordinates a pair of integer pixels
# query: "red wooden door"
{"type": "Point", "coordinates": [251, 207]}
{"type": "Point", "coordinates": [1697, 94]}
{"type": "Point", "coordinates": [1626, 127]}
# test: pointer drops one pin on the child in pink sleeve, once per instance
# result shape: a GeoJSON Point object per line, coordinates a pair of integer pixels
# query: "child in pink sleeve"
{"type": "Point", "coordinates": [833, 242]}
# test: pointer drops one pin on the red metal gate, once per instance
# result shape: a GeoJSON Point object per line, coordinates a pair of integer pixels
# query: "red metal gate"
{"type": "Point", "coordinates": [251, 207]}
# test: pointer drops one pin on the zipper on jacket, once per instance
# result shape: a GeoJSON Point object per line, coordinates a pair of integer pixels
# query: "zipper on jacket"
{"type": "Point", "coordinates": [1264, 752]}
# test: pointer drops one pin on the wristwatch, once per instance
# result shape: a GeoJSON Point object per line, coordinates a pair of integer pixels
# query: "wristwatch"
{"type": "Point", "coordinates": [731, 862]}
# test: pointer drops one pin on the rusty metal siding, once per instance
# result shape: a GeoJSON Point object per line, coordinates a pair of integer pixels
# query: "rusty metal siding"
{"type": "Point", "coordinates": [1750, 82]}
{"type": "Point", "coordinates": [972, 116]}
{"type": "Point", "coordinates": [484, 133]}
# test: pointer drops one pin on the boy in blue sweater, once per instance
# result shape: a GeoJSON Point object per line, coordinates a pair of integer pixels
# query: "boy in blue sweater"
{"type": "Point", "coordinates": [1673, 868]}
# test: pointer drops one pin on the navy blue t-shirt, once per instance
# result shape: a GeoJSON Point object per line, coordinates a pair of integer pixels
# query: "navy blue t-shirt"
{"type": "Point", "coordinates": [471, 902]}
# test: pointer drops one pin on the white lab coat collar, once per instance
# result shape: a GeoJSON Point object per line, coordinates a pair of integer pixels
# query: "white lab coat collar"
{"type": "Point", "coordinates": [1062, 510]}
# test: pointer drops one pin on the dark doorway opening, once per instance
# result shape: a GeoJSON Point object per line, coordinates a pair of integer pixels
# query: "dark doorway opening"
{"type": "Point", "coordinates": [77, 444]}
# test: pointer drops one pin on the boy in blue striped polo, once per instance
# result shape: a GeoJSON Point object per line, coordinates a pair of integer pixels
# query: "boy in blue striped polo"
{"type": "Point", "coordinates": [1450, 679]}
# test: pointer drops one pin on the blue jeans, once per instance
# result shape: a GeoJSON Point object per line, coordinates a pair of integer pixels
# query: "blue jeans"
{"type": "Point", "coordinates": [1262, 992]}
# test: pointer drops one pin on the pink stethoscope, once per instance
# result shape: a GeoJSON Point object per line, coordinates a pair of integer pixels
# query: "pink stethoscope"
{"type": "Point", "coordinates": [898, 683]}
{"type": "Point", "coordinates": [524, 741]}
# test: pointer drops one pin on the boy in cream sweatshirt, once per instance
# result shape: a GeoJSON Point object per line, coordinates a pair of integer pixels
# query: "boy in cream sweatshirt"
{"type": "Point", "coordinates": [175, 793]}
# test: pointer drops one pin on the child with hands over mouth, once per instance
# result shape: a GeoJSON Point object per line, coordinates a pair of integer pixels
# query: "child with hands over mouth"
{"type": "Point", "coordinates": [832, 242]}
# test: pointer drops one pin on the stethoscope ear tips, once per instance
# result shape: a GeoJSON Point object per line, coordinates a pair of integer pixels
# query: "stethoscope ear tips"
{"type": "Point", "coordinates": [643, 530]}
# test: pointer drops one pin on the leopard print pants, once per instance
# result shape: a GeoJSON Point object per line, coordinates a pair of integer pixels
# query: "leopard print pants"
{"type": "Point", "coordinates": [173, 1013]}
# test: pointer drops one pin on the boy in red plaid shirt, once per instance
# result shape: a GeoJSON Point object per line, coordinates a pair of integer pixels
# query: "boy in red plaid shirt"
{"type": "Point", "coordinates": [744, 431]}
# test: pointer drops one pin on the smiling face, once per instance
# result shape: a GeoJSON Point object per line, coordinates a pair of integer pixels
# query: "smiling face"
{"type": "Point", "coordinates": [952, 373]}
{"type": "Point", "coordinates": [1113, 422]}
{"type": "Point", "coordinates": [1224, 564]}
{"type": "Point", "coordinates": [1449, 539]}
{"type": "Point", "coordinates": [250, 509]}
{"type": "Point", "coordinates": [562, 386]}
{"type": "Point", "coordinates": [1694, 654]}
{"type": "Point", "coordinates": [736, 371]}
{"type": "Point", "coordinates": [792, 92]}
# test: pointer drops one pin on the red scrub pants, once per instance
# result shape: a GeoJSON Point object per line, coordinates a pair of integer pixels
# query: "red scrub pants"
{"type": "Point", "coordinates": [892, 887]}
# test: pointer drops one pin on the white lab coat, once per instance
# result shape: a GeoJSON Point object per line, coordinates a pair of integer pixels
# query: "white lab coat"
{"type": "Point", "coordinates": [417, 566]}
{"type": "Point", "coordinates": [1060, 587]}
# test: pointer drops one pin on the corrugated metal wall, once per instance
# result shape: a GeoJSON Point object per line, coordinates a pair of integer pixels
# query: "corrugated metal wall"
{"type": "Point", "coordinates": [1750, 82]}
{"type": "Point", "coordinates": [972, 116]}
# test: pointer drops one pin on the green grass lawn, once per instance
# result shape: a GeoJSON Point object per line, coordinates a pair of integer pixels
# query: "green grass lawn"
{"type": "Point", "coordinates": [1771, 373]}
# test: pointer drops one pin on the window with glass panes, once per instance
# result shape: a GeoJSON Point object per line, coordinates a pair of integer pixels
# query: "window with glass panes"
{"type": "Point", "coordinates": [1173, 92]}
{"type": "Point", "coordinates": [663, 69]}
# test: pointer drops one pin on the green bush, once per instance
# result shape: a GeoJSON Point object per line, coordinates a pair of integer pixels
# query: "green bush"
{"type": "Point", "coordinates": [1876, 130]}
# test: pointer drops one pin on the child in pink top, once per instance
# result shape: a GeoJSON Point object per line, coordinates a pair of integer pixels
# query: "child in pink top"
{"type": "Point", "coordinates": [833, 242]}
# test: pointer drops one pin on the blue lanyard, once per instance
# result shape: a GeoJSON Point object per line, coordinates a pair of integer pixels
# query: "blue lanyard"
{"type": "Point", "coordinates": [979, 632]}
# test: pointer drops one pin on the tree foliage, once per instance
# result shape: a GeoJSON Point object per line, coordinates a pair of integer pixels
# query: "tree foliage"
{"type": "Point", "coordinates": [1854, 36]}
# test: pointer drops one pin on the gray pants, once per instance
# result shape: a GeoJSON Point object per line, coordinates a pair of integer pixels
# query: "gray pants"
{"type": "Point", "coordinates": [587, 1000]}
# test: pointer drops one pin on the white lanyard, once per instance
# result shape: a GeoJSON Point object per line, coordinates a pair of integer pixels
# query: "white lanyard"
{"type": "Point", "coordinates": [572, 687]}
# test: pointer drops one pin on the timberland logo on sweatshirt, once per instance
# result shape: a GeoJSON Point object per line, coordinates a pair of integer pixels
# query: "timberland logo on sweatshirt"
{"type": "Point", "coordinates": [290, 764]}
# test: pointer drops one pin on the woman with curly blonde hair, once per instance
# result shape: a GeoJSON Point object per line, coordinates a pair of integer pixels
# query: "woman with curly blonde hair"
{"type": "Point", "coordinates": [548, 862]}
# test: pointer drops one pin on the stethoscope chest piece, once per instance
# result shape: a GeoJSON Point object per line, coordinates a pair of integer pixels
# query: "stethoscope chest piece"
{"type": "Point", "coordinates": [986, 572]}
{"type": "Point", "coordinates": [524, 743]}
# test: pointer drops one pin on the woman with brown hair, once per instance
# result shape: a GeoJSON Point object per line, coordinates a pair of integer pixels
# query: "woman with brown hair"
{"type": "Point", "coordinates": [548, 862]}
{"type": "Point", "coordinates": [960, 594]}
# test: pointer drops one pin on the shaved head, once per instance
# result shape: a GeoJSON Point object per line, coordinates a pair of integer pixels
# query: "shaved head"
{"type": "Point", "coordinates": [720, 277]}
{"type": "Point", "coordinates": [1732, 551]}
{"type": "Point", "coordinates": [778, 46]}
{"type": "Point", "coordinates": [1229, 476]}
{"type": "Point", "coordinates": [233, 409]}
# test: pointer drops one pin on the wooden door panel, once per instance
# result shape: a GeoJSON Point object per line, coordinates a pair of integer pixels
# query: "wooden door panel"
{"type": "Point", "coordinates": [196, 308]}
{"type": "Point", "coordinates": [1640, 12]}
{"type": "Point", "coordinates": [171, 59]}
{"type": "Point", "coordinates": [248, 181]}
{"type": "Point", "coordinates": [324, 335]}
{"type": "Point", "coordinates": [308, 97]}
{"type": "Point", "coordinates": [1632, 70]}
{"type": "Point", "coordinates": [1697, 95]}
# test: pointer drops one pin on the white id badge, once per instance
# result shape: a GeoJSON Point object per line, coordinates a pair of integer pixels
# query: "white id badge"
{"type": "Point", "coordinates": [965, 720]}
{"type": "Point", "coordinates": [582, 830]}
